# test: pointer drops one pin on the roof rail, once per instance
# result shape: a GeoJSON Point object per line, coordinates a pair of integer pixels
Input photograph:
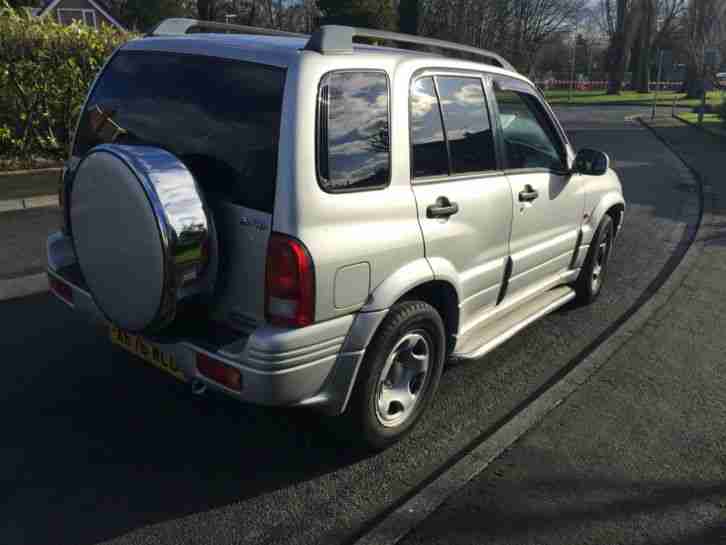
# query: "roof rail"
{"type": "Point", "coordinates": [339, 39]}
{"type": "Point", "coordinates": [181, 26]}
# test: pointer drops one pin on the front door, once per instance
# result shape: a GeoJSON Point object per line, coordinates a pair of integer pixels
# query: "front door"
{"type": "Point", "coordinates": [464, 199]}
{"type": "Point", "coordinates": [548, 202]}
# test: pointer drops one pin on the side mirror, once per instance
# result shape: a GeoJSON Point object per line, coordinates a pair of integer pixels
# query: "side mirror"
{"type": "Point", "coordinates": [591, 162]}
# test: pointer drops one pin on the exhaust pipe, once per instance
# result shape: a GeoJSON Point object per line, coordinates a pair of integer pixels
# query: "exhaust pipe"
{"type": "Point", "coordinates": [198, 388]}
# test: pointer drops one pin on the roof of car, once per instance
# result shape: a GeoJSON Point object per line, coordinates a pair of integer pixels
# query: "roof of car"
{"type": "Point", "coordinates": [275, 50]}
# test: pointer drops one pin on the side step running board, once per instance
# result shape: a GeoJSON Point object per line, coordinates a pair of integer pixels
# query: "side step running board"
{"type": "Point", "coordinates": [490, 335]}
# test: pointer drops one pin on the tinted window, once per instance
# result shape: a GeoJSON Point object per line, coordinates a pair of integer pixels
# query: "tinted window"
{"type": "Point", "coordinates": [528, 133]}
{"type": "Point", "coordinates": [429, 154]}
{"type": "Point", "coordinates": [220, 117]}
{"type": "Point", "coordinates": [471, 142]}
{"type": "Point", "coordinates": [353, 145]}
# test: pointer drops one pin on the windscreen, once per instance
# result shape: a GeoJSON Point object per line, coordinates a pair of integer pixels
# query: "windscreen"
{"type": "Point", "coordinates": [220, 117]}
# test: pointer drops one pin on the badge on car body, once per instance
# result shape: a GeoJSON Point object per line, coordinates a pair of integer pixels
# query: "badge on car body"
{"type": "Point", "coordinates": [260, 226]}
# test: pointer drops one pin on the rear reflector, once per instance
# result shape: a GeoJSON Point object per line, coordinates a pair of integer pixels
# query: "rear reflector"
{"type": "Point", "coordinates": [60, 289]}
{"type": "Point", "coordinates": [219, 372]}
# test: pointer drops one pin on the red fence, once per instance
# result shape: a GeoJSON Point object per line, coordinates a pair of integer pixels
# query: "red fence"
{"type": "Point", "coordinates": [581, 85]}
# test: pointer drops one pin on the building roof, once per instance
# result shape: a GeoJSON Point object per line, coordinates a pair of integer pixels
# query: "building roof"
{"type": "Point", "coordinates": [50, 5]}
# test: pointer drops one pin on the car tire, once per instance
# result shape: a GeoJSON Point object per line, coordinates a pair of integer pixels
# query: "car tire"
{"type": "Point", "coordinates": [398, 377]}
{"type": "Point", "coordinates": [592, 275]}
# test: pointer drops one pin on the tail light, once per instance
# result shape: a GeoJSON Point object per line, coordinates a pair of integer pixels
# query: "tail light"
{"type": "Point", "coordinates": [219, 372]}
{"type": "Point", "coordinates": [289, 283]}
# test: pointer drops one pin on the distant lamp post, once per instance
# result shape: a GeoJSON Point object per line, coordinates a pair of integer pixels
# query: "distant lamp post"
{"type": "Point", "coordinates": [657, 83]}
{"type": "Point", "coordinates": [572, 67]}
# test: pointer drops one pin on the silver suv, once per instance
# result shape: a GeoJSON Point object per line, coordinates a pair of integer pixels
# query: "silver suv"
{"type": "Point", "coordinates": [310, 221]}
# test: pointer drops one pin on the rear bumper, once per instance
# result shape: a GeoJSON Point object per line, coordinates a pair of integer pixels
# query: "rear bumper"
{"type": "Point", "coordinates": [312, 366]}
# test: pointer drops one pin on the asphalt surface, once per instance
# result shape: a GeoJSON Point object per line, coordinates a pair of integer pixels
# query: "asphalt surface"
{"type": "Point", "coordinates": [97, 446]}
{"type": "Point", "coordinates": [637, 455]}
{"type": "Point", "coordinates": [22, 240]}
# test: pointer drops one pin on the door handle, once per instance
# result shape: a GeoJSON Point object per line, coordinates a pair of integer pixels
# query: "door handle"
{"type": "Point", "coordinates": [443, 208]}
{"type": "Point", "coordinates": [528, 194]}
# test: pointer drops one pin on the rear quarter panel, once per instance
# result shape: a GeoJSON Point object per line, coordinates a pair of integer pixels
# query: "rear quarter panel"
{"type": "Point", "coordinates": [377, 227]}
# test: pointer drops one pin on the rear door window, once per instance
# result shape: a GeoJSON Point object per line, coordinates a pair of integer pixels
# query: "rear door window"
{"type": "Point", "coordinates": [220, 117]}
{"type": "Point", "coordinates": [353, 131]}
{"type": "Point", "coordinates": [466, 119]}
{"type": "Point", "coordinates": [429, 156]}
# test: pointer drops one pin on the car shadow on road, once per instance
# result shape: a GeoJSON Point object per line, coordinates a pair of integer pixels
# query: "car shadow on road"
{"type": "Point", "coordinates": [97, 443]}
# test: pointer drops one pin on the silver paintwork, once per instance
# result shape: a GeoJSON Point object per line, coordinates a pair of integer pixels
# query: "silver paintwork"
{"type": "Point", "coordinates": [517, 320]}
{"type": "Point", "coordinates": [181, 26]}
{"type": "Point", "coordinates": [385, 229]}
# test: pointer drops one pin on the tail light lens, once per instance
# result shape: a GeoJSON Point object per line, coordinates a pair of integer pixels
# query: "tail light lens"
{"type": "Point", "coordinates": [289, 283]}
{"type": "Point", "coordinates": [219, 372]}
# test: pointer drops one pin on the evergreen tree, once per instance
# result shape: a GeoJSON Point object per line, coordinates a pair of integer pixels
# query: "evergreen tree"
{"type": "Point", "coordinates": [408, 11]}
{"type": "Point", "coordinates": [143, 15]}
{"type": "Point", "coordinates": [363, 13]}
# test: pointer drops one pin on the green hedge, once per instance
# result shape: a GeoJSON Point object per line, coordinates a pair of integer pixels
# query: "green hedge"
{"type": "Point", "coordinates": [45, 72]}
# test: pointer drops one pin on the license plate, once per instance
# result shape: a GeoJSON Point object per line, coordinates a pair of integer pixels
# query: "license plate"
{"type": "Point", "coordinates": [146, 351]}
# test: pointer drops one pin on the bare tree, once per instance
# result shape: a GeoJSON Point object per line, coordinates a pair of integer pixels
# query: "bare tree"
{"type": "Point", "coordinates": [627, 18]}
{"type": "Point", "coordinates": [705, 31]}
{"type": "Point", "coordinates": [535, 21]}
{"type": "Point", "coordinates": [515, 28]}
{"type": "Point", "coordinates": [658, 23]}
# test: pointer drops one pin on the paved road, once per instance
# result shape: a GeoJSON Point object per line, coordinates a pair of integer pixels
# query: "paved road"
{"type": "Point", "coordinates": [98, 447]}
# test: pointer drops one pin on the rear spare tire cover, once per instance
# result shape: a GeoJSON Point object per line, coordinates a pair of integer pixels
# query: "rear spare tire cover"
{"type": "Point", "coordinates": [141, 233]}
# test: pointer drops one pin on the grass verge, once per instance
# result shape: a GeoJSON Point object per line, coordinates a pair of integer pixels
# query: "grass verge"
{"type": "Point", "coordinates": [711, 122]}
{"type": "Point", "coordinates": [561, 96]}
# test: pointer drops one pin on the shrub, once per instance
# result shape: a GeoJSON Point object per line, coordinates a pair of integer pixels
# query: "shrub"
{"type": "Point", "coordinates": [722, 112]}
{"type": "Point", "coordinates": [45, 72]}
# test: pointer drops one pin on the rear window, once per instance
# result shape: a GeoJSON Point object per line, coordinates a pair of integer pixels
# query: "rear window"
{"type": "Point", "coordinates": [220, 117]}
{"type": "Point", "coordinates": [353, 136]}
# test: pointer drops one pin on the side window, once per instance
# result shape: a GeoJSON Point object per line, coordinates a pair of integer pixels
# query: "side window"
{"type": "Point", "coordinates": [429, 156]}
{"type": "Point", "coordinates": [353, 131]}
{"type": "Point", "coordinates": [471, 143]}
{"type": "Point", "coordinates": [531, 140]}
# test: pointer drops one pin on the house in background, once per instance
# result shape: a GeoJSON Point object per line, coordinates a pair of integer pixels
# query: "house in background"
{"type": "Point", "coordinates": [91, 12]}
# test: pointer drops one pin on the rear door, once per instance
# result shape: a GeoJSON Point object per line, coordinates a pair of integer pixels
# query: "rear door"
{"type": "Point", "coordinates": [221, 118]}
{"type": "Point", "coordinates": [548, 202]}
{"type": "Point", "coordinates": [463, 197]}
